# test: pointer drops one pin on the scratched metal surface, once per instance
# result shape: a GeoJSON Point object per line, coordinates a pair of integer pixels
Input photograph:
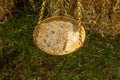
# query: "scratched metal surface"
{"type": "Point", "coordinates": [58, 37]}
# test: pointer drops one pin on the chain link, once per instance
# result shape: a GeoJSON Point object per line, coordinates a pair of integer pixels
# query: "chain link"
{"type": "Point", "coordinates": [79, 19]}
{"type": "Point", "coordinates": [79, 13]}
{"type": "Point", "coordinates": [41, 11]}
{"type": "Point", "coordinates": [36, 31]}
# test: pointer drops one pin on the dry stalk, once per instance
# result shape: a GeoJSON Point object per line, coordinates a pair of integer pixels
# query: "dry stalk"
{"type": "Point", "coordinates": [100, 16]}
{"type": "Point", "coordinates": [5, 9]}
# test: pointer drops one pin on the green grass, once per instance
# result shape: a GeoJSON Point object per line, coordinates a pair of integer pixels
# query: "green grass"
{"type": "Point", "coordinates": [20, 59]}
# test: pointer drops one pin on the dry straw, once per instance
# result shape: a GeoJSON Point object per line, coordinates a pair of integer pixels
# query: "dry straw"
{"type": "Point", "coordinates": [100, 16]}
{"type": "Point", "coordinates": [5, 9]}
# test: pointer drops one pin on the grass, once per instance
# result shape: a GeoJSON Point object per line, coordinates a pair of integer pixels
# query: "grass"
{"type": "Point", "coordinates": [20, 59]}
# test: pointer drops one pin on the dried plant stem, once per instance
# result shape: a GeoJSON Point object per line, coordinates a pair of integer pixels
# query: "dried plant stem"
{"type": "Point", "coordinates": [32, 4]}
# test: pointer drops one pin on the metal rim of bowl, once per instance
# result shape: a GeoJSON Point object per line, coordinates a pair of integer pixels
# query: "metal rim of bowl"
{"type": "Point", "coordinates": [61, 18]}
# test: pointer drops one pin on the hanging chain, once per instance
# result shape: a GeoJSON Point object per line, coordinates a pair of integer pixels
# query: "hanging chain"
{"type": "Point", "coordinates": [42, 11]}
{"type": "Point", "coordinates": [79, 19]}
{"type": "Point", "coordinates": [79, 13]}
{"type": "Point", "coordinates": [40, 20]}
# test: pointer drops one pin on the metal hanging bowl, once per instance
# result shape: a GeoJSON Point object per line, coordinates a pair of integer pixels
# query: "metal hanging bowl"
{"type": "Point", "coordinates": [59, 35]}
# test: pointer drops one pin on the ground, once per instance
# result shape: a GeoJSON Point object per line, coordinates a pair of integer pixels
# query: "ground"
{"type": "Point", "coordinates": [20, 59]}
